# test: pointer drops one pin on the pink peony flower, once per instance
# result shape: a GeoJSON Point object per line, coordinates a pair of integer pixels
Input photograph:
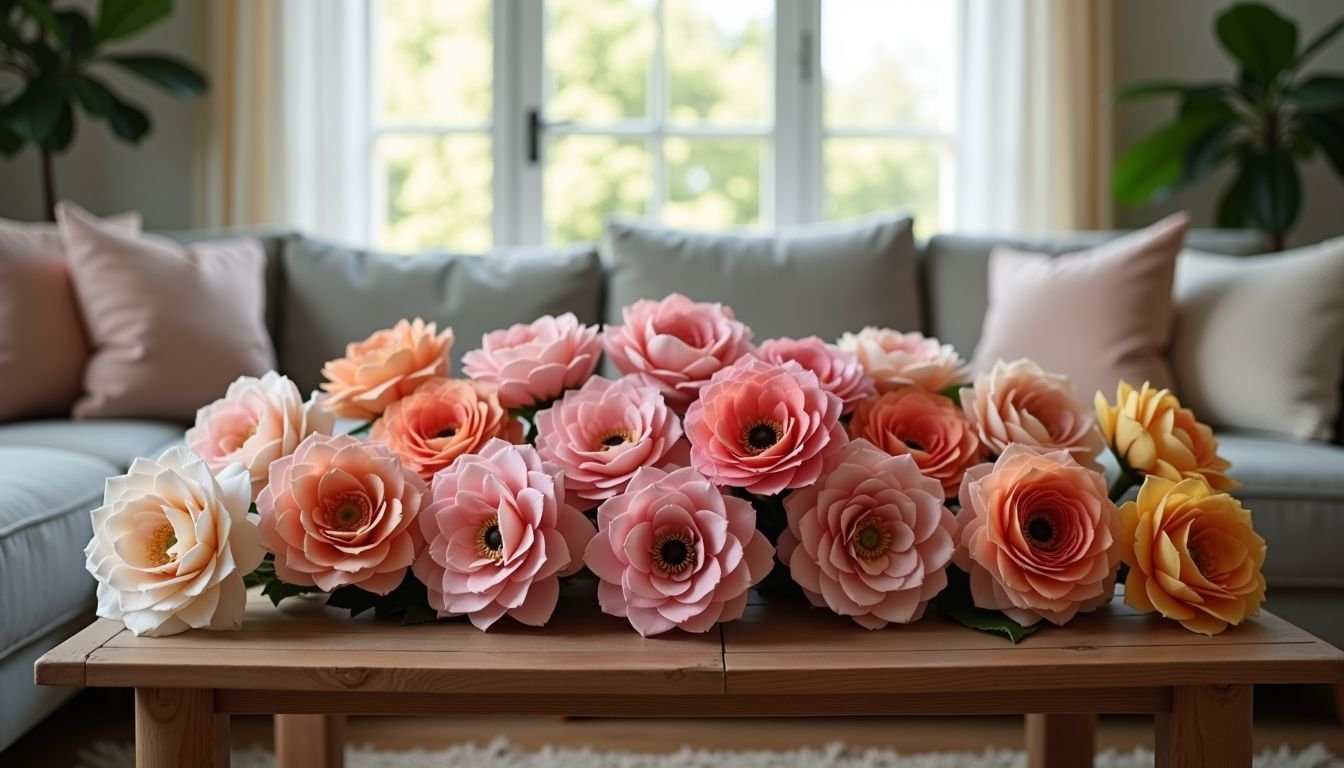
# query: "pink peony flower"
{"type": "Point", "coordinates": [872, 539]}
{"type": "Point", "coordinates": [838, 371]}
{"type": "Point", "coordinates": [256, 422]}
{"type": "Point", "coordinates": [1037, 534]}
{"type": "Point", "coordinates": [339, 511]}
{"type": "Point", "coordinates": [384, 368]}
{"type": "Point", "coordinates": [534, 363]}
{"type": "Point", "coordinates": [1018, 402]}
{"type": "Point", "coordinates": [499, 537]}
{"type": "Point", "coordinates": [676, 345]}
{"type": "Point", "coordinates": [896, 359]}
{"type": "Point", "coordinates": [603, 432]}
{"type": "Point", "coordinates": [442, 420]}
{"type": "Point", "coordinates": [673, 551]}
{"type": "Point", "coordinates": [927, 427]}
{"type": "Point", "coordinates": [764, 427]}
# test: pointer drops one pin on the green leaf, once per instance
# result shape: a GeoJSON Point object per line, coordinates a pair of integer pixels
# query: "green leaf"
{"type": "Point", "coordinates": [1322, 93]}
{"type": "Point", "coordinates": [353, 599]}
{"type": "Point", "coordinates": [119, 18]}
{"type": "Point", "coordinates": [78, 32]}
{"type": "Point", "coordinates": [1153, 167]}
{"type": "Point", "coordinates": [278, 590]}
{"type": "Point", "coordinates": [953, 393]}
{"type": "Point", "coordinates": [34, 113]}
{"type": "Point", "coordinates": [1232, 204]}
{"type": "Point", "coordinates": [1320, 41]}
{"type": "Point", "coordinates": [43, 15]}
{"type": "Point", "coordinates": [63, 132]}
{"type": "Point", "coordinates": [10, 142]}
{"type": "Point", "coordinates": [955, 603]}
{"type": "Point", "coordinates": [1261, 40]}
{"type": "Point", "coordinates": [128, 122]}
{"type": "Point", "coordinates": [1273, 190]}
{"type": "Point", "coordinates": [1206, 97]}
{"type": "Point", "coordinates": [264, 573]}
{"type": "Point", "coordinates": [177, 77]}
{"type": "Point", "coordinates": [95, 97]}
{"type": "Point", "coordinates": [1206, 152]}
{"type": "Point", "coordinates": [1328, 132]}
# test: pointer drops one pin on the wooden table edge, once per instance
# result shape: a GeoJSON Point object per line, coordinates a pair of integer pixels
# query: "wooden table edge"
{"type": "Point", "coordinates": [66, 664]}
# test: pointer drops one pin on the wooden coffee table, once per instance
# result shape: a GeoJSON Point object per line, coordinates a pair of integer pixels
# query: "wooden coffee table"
{"type": "Point", "coordinates": [312, 664]}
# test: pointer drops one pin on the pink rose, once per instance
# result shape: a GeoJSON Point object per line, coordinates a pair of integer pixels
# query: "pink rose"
{"type": "Point", "coordinates": [927, 427]}
{"type": "Point", "coordinates": [673, 551]}
{"type": "Point", "coordinates": [339, 511]}
{"type": "Point", "coordinates": [1037, 534]}
{"type": "Point", "coordinates": [896, 359]}
{"type": "Point", "coordinates": [838, 371]}
{"type": "Point", "coordinates": [1018, 402]}
{"type": "Point", "coordinates": [442, 420]}
{"type": "Point", "coordinates": [676, 345]}
{"type": "Point", "coordinates": [601, 433]}
{"type": "Point", "coordinates": [764, 427]}
{"type": "Point", "coordinates": [499, 537]}
{"type": "Point", "coordinates": [384, 368]}
{"type": "Point", "coordinates": [536, 362]}
{"type": "Point", "coordinates": [872, 539]}
{"type": "Point", "coordinates": [256, 422]}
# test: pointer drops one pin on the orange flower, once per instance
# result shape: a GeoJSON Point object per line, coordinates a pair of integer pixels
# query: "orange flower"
{"type": "Point", "coordinates": [384, 368]}
{"type": "Point", "coordinates": [1193, 555]}
{"type": "Point", "coordinates": [928, 427]}
{"type": "Point", "coordinates": [444, 419]}
{"type": "Point", "coordinates": [1151, 433]}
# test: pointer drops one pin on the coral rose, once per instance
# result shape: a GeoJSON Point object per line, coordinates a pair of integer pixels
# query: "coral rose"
{"type": "Point", "coordinates": [1018, 402]}
{"type": "Point", "coordinates": [676, 345]}
{"type": "Point", "coordinates": [337, 512]}
{"type": "Point", "coordinates": [384, 368]}
{"type": "Point", "coordinates": [256, 422]}
{"type": "Point", "coordinates": [764, 427]}
{"type": "Point", "coordinates": [171, 544]}
{"type": "Point", "coordinates": [896, 359]}
{"type": "Point", "coordinates": [674, 551]}
{"type": "Point", "coordinates": [1151, 433]}
{"type": "Point", "coordinates": [499, 537]}
{"type": "Point", "coordinates": [601, 433]}
{"type": "Point", "coordinates": [444, 419]}
{"type": "Point", "coordinates": [872, 539]}
{"type": "Point", "coordinates": [1037, 534]}
{"type": "Point", "coordinates": [536, 362]}
{"type": "Point", "coordinates": [1193, 555]}
{"type": "Point", "coordinates": [837, 371]}
{"type": "Point", "coordinates": [928, 427]}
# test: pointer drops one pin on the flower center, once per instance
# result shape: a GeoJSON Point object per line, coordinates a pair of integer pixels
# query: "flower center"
{"type": "Point", "coordinates": [489, 541]}
{"type": "Point", "coordinates": [1200, 560]}
{"type": "Point", "coordinates": [160, 542]}
{"type": "Point", "coordinates": [872, 541]}
{"type": "Point", "coordinates": [448, 431]}
{"type": "Point", "coordinates": [760, 435]}
{"type": "Point", "coordinates": [913, 445]}
{"type": "Point", "coordinates": [612, 439]}
{"type": "Point", "coordinates": [241, 438]}
{"type": "Point", "coordinates": [1040, 532]}
{"type": "Point", "coordinates": [351, 512]}
{"type": "Point", "coordinates": [672, 552]}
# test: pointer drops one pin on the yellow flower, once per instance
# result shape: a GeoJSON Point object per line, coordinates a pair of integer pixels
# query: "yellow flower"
{"type": "Point", "coordinates": [1152, 434]}
{"type": "Point", "coordinates": [1193, 555]}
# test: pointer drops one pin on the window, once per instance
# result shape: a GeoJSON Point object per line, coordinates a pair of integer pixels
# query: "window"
{"type": "Point", "coordinates": [529, 121]}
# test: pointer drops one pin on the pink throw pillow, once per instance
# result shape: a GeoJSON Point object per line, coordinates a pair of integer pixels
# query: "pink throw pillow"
{"type": "Point", "coordinates": [170, 326]}
{"type": "Point", "coordinates": [1096, 316]}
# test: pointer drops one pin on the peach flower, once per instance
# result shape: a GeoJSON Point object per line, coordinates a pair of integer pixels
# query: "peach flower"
{"type": "Point", "coordinates": [676, 345]}
{"type": "Point", "coordinates": [837, 371]}
{"type": "Point", "coordinates": [536, 362]}
{"type": "Point", "coordinates": [674, 551]}
{"type": "Point", "coordinates": [896, 359]}
{"type": "Point", "coordinates": [443, 419]}
{"type": "Point", "coordinates": [1193, 555]}
{"type": "Point", "coordinates": [256, 422]}
{"type": "Point", "coordinates": [171, 544]}
{"type": "Point", "coordinates": [1037, 534]}
{"type": "Point", "coordinates": [763, 427]}
{"type": "Point", "coordinates": [339, 511]}
{"type": "Point", "coordinates": [1152, 434]}
{"type": "Point", "coordinates": [601, 433]}
{"type": "Point", "coordinates": [928, 427]}
{"type": "Point", "coordinates": [384, 368]}
{"type": "Point", "coordinates": [499, 537]}
{"type": "Point", "coordinates": [1018, 402]}
{"type": "Point", "coordinates": [872, 539]}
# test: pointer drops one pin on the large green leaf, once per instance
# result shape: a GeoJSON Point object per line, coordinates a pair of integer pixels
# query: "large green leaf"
{"type": "Point", "coordinates": [1206, 152]}
{"type": "Point", "coordinates": [10, 142]}
{"type": "Point", "coordinates": [95, 97]}
{"type": "Point", "coordinates": [119, 18]}
{"type": "Point", "coordinates": [43, 15]}
{"type": "Point", "coordinates": [1273, 190]}
{"type": "Point", "coordinates": [63, 133]}
{"type": "Point", "coordinates": [955, 602]}
{"type": "Point", "coordinates": [1320, 41]}
{"type": "Point", "coordinates": [1328, 133]}
{"type": "Point", "coordinates": [78, 32]}
{"type": "Point", "coordinates": [128, 122]}
{"type": "Point", "coordinates": [1323, 93]}
{"type": "Point", "coordinates": [1261, 40]}
{"type": "Point", "coordinates": [1155, 165]}
{"type": "Point", "coordinates": [175, 76]}
{"type": "Point", "coordinates": [1232, 204]}
{"type": "Point", "coordinates": [33, 115]}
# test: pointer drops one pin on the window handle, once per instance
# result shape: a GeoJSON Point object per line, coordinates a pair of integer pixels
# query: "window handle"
{"type": "Point", "coordinates": [537, 125]}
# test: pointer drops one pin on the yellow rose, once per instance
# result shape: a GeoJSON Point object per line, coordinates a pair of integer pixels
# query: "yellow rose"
{"type": "Point", "coordinates": [1193, 555]}
{"type": "Point", "coordinates": [1154, 435]}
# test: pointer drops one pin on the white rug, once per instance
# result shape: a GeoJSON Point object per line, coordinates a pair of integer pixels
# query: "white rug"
{"type": "Point", "coordinates": [501, 754]}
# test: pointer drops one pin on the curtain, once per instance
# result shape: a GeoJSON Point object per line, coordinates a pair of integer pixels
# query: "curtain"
{"type": "Point", "coordinates": [1034, 139]}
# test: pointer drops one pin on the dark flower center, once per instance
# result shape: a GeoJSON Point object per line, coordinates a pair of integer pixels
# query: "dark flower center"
{"type": "Point", "coordinates": [1040, 529]}
{"type": "Point", "coordinates": [761, 435]}
{"type": "Point", "coordinates": [913, 445]}
{"type": "Point", "coordinates": [613, 439]}
{"type": "Point", "coordinates": [872, 541]}
{"type": "Point", "coordinates": [672, 553]}
{"type": "Point", "coordinates": [352, 511]}
{"type": "Point", "coordinates": [490, 542]}
{"type": "Point", "coordinates": [448, 431]}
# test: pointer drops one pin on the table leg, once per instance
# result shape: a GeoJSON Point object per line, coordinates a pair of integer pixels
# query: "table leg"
{"type": "Point", "coordinates": [1207, 725]}
{"type": "Point", "coordinates": [1339, 702]}
{"type": "Point", "coordinates": [1055, 741]}
{"type": "Point", "coordinates": [309, 741]}
{"type": "Point", "coordinates": [178, 726]}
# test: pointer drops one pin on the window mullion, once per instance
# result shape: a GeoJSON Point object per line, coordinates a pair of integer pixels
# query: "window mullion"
{"type": "Point", "coordinates": [797, 145]}
{"type": "Point", "coordinates": [657, 109]}
{"type": "Point", "coordinates": [522, 55]}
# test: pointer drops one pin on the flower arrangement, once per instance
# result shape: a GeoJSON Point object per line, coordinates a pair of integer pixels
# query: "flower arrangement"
{"type": "Point", "coordinates": [873, 475]}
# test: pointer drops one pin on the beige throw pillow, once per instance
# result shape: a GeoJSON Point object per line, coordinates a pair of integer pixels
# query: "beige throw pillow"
{"type": "Point", "coordinates": [170, 326]}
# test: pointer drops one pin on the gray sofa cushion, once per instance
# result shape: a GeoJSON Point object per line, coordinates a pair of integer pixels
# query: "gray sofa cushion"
{"type": "Point", "coordinates": [335, 295]}
{"type": "Point", "coordinates": [820, 280]}
{"type": "Point", "coordinates": [115, 441]}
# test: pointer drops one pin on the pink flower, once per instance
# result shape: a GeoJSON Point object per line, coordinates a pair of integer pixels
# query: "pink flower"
{"type": "Point", "coordinates": [536, 362]}
{"type": "Point", "coordinates": [603, 432]}
{"type": "Point", "coordinates": [673, 551]}
{"type": "Point", "coordinates": [384, 368]}
{"type": "Point", "coordinates": [872, 539]}
{"type": "Point", "coordinates": [442, 420]}
{"type": "Point", "coordinates": [256, 422]}
{"type": "Point", "coordinates": [676, 345]}
{"type": "Point", "coordinates": [896, 359]}
{"type": "Point", "coordinates": [837, 371]}
{"type": "Point", "coordinates": [339, 511]}
{"type": "Point", "coordinates": [499, 537]}
{"type": "Point", "coordinates": [927, 427]}
{"type": "Point", "coordinates": [764, 427]}
{"type": "Point", "coordinates": [1018, 402]}
{"type": "Point", "coordinates": [1037, 534]}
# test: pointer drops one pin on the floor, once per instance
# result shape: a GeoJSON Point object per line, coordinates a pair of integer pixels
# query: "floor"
{"type": "Point", "coordinates": [1294, 715]}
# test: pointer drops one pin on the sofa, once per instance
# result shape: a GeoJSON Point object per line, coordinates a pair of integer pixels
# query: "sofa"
{"type": "Point", "coordinates": [320, 296]}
